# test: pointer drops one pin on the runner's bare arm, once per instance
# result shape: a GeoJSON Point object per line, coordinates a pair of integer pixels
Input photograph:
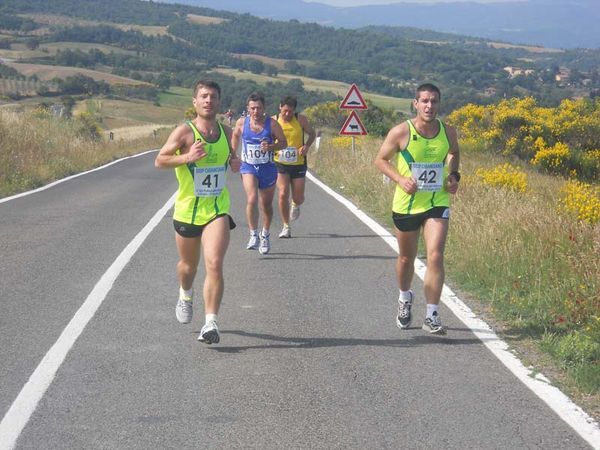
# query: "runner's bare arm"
{"type": "Point", "coordinates": [277, 132]}
{"type": "Point", "coordinates": [308, 129]}
{"type": "Point", "coordinates": [180, 139]}
{"type": "Point", "coordinates": [236, 135]}
{"type": "Point", "coordinates": [453, 159]}
{"type": "Point", "coordinates": [395, 140]}
{"type": "Point", "coordinates": [234, 160]}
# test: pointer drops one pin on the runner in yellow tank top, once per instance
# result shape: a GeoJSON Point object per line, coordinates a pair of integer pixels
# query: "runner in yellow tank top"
{"type": "Point", "coordinates": [199, 152]}
{"type": "Point", "coordinates": [425, 173]}
{"type": "Point", "coordinates": [291, 161]}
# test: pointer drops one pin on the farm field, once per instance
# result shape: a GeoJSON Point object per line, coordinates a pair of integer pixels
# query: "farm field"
{"type": "Point", "coordinates": [48, 73]}
{"type": "Point", "coordinates": [49, 19]}
{"type": "Point", "coordinates": [117, 114]}
{"type": "Point", "coordinates": [311, 84]}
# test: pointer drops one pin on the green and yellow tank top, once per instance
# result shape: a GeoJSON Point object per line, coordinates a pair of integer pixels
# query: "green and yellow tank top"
{"type": "Point", "coordinates": [294, 134]}
{"type": "Point", "coordinates": [425, 160]}
{"type": "Point", "coordinates": [202, 193]}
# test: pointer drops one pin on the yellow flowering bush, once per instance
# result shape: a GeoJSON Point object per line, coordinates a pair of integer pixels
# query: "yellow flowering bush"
{"type": "Point", "coordinates": [547, 137]}
{"type": "Point", "coordinates": [581, 200]}
{"type": "Point", "coordinates": [504, 175]}
{"type": "Point", "coordinates": [342, 142]}
{"type": "Point", "coordinates": [554, 159]}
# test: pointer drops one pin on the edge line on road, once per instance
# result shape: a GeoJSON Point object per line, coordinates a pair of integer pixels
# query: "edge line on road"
{"type": "Point", "coordinates": [62, 180]}
{"type": "Point", "coordinates": [562, 405]}
{"type": "Point", "coordinates": [40, 380]}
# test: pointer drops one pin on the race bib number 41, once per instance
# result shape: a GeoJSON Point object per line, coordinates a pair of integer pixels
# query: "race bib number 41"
{"type": "Point", "coordinates": [429, 176]}
{"type": "Point", "coordinates": [209, 181]}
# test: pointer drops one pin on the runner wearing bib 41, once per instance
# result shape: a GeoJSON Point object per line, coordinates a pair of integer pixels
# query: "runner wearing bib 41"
{"type": "Point", "coordinates": [199, 151]}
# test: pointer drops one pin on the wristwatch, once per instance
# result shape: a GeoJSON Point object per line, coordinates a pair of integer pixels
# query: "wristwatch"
{"type": "Point", "coordinates": [456, 175]}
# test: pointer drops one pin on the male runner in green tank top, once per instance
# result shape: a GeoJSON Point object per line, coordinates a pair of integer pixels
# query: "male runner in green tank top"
{"type": "Point", "coordinates": [200, 151]}
{"type": "Point", "coordinates": [425, 174]}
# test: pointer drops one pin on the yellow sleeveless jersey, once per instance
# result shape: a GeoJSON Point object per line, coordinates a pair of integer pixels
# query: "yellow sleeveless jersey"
{"type": "Point", "coordinates": [425, 160]}
{"type": "Point", "coordinates": [294, 134]}
{"type": "Point", "coordinates": [202, 193]}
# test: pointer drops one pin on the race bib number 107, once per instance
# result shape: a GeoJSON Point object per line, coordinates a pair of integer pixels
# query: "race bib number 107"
{"type": "Point", "coordinates": [429, 176]}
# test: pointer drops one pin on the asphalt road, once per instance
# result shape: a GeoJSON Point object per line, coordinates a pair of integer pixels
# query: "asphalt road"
{"type": "Point", "coordinates": [310, 356]}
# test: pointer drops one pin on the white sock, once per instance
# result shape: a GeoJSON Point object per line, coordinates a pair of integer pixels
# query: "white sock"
{"type": "Point", "coordinates": [253, 232]}
{"type": "Point", "coordinates": [431, 309]}
{"type": "Point", "coordinates": [188, 294]}
{"type": "Point", "coordinates": [405, 296]}
{"type": "Point", "coordinates": [210, 318]}
{"type": "Point", "coordinates": [265, 232]}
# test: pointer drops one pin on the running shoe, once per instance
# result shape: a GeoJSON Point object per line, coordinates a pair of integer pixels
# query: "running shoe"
{"type": "Point", "coordinates": [252, 242]}
{"type": "Point", "coordinates": [209, 334]}
{"type": "Point", "coordinates": [285, 232]}
{"type": "Point", "coordinates": [404, 317]}
{"type": "Point", "coordinates": [265, 244]}
{"type": "Point", "coordinates": [294, 212]}
{"type": "Point", "coordinates": [434, 325]}
{"type": "Point", "coordinates": [183, 310]}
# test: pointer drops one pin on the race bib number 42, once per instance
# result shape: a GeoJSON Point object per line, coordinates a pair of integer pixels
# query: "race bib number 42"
{"type": "Point", "coordinates": [209, 181]}
{"type": "Point", "coordinates": [429, 176]}
{"type": "Point", "coordinates": [255, 155]}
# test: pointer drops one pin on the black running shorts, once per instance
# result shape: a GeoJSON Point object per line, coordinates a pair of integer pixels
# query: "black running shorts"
{"type": "Point", "coordinates": [412, 222]}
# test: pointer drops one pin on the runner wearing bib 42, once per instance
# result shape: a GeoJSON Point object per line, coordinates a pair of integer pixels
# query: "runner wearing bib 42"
{"type": "Point", "coordinates": [424, 160]}
{"type": "Point", "coordinates": [425, 173]}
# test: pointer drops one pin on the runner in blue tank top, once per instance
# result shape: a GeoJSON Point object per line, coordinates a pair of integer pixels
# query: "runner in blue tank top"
{"type": "Point", "coordinates": [260, 136]}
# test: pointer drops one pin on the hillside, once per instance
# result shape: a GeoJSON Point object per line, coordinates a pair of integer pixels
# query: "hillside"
{"type": "Point", "coordinates": [167, 44]}
{"type": "Point", "coordinates": [564, 23]}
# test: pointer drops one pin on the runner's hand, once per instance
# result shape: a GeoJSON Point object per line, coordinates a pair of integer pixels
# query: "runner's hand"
{"type": "Point", "coordinates": [196, 152]}
{"type": "Point", "coordinates": [235, 164]}
{"type": "Point", "coordinates": [451, 185]}
{"type": "Point", "coordinates": [408, 185]}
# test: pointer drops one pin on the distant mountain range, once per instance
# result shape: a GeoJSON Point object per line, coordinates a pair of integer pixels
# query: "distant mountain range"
{"type": "Point", "coordinates": [549, 23]}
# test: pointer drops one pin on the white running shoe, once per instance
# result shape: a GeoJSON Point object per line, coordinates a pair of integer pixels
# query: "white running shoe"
{"type": "Point", "coordinates": [285, 232]}
{"type": "Point", "coordinates": [294, 212]}
{"type": "Point", "coordinates": [265, 244]}
{"type": "Point", "coordinates": [434, 325]}
{"type": "Point", "coordinates": [183, 310]}
{"type": "Point", "coordinates": [252, 242]}
{"type": "Point", "coordinates": [209, 334]}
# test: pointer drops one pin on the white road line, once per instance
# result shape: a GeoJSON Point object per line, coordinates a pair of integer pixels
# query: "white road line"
{"type": "Point", "coordinates": [62, 180]}
{"type": "Point", "coordinates": [26, 402]}
{"type": "Point", "coordinates": [562, 405]}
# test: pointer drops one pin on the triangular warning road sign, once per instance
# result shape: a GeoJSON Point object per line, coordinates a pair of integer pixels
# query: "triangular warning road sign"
{"type": "Point", "coordinates": [354, 99]}
{"type": "Point", "coordinates": [353, 126]}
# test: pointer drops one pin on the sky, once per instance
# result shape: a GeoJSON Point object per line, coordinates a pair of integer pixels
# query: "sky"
{"type": "Point", "coordinates": [387, 2]}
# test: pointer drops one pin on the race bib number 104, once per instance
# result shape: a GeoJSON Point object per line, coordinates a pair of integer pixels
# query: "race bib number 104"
{"type": "Point", "coordinates": [429, 176]}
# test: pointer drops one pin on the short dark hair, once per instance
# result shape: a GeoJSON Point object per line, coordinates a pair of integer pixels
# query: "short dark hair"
{"type": "Point", "coordinates": [289, 100]}
{"type": "Point", "coordinates": [256, 97]}
{"type": "Point", "coordinates": [207, 84]}
{"type": "Point", "coordinates": [427, 87]}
